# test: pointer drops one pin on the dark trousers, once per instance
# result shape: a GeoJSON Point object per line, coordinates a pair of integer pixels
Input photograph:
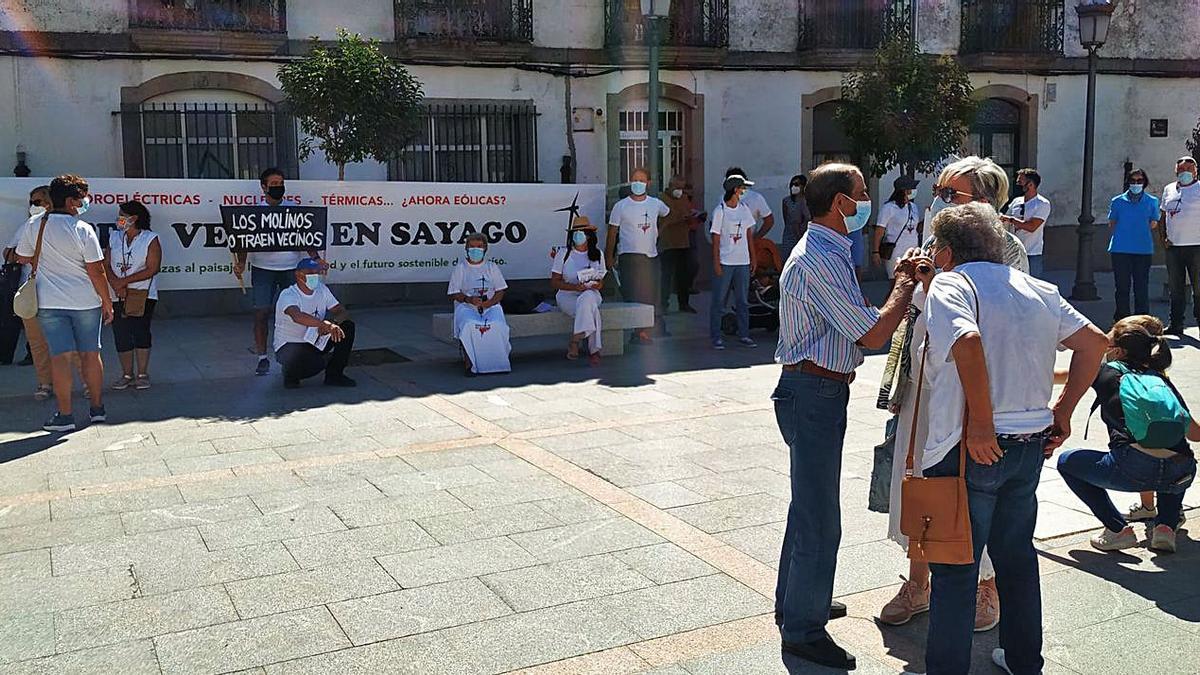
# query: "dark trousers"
{"type": "Point", "coordinates": [640, 279]}
{"type": "Point", "coordinates": [677, 274]}
{"type": "Point", "coordinates": [811, 414]}
{"type": "Point", "coordinates": [1002, 500]}
{"type": "Point", "coordinates": [1183, 269]}
{"type": "Point", "coordinates": [10, 335]}
{"type": "Point", "coordinates": [1091, 473]}
{"type": "Point", "coordinates": [1131, 271]}
{"type": "Point", "coordinates": [132, 332]}
{"type": "Point", "coordinates": [300, 360]}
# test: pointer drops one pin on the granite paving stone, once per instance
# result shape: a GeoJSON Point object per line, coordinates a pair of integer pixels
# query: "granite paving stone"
{"type": "Point", "coordinates": [180, 570]}
{"type": "Point", "coordinates": [584, 539]}
{"type": "Point", "coordinates": [238, 486]}
{"type": "Point", "coordinates": [487, 523]}
{"type": "Point", "coordinates": [456, 561]}
{"type": "Point", "coordinates": [501, 493]}
{"type": "Point", "coordinates": [664, 563]}
{"type": "Point", "coordinates": [364, 542]}
{"type": "Point", "coordinates": [667, 494]}
{"type": "Point", "coordinates": [307, 588]}
{"type": "Point", "coordinates": [345, 471]}
{"type": "Point", "coordinates": [142, 454]}
{"type": "Point", "coordinates": [685, 605]}
{"type": "Point", "coordinates": [127, 658]}
{"type": "Point", "coordinates": [38, 595]}
{"type": "Point", "coordinates": [26, 637]}
{"type": "Point", "coordinates": [248, 441]}
{"type": "Point", "coordinates": [29, 513]}
{"type": "Point", "coordinates": [125, 550]}
{"type": "Point", "coordinates": [575, 508]}
{"type": "Point", "coordinates": [326, 448]}
{"type": "Point", "coordinates": [348, 492]}
{"type": "Point", "coordinates": [563, 582]}
{"type": "Point", "coordinates": [483, 454]}
{"type": "Point", "coordinates": [226, 460]}
{"type": "Point", "coordinates": [20, 564]}
{"type": "Point", "coordinates": [142, 617]}
{"type": "Point", "coordinates": [189, 514]}
{"type": "Point", "coordinates": [395, 509]}
{"type": "Point", "coordinates": [430, 481]}
{"type": "Point", "coordinates": [58, 532]}
{"type": "Point", "coordinates": [115, 502]}
{"type": "Point", "coordinates": [273, 527]}
{"type": "Point", "coordinates": [733, 513]}
{"type": "Point", "coordinates": [106, 475]}
{"type": "Point", "coordinates": [417, 610]}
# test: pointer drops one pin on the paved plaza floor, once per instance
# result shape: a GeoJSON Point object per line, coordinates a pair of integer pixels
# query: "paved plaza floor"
{"type": "Point", "coordinates": [560, 519]}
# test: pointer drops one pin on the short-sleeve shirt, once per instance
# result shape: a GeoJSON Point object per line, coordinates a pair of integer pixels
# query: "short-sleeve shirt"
{"type": "Point", "coordinates": [15, 242]}
{"type": "Point", "coordinates": [127, 258]}
{"type": "Point", "coordinates": [1038, 207]}
{"type": "Point", "coordinates": [1132, 216]}
{"type": "Point", "coordinates": [753, 200]}
{"type": "Point", "coordinates": [1022, 321]}
{"type": "Point", "coordinates": [1182, 206]}
{"type": "Point", "coordinates": [68, 245]}
{"type": "Point", "coordinates": [1108, 397]}
{"type": "Point", "coordinates": [315, 304]}
{"type": "Point", "coordinates": [822, 311]}
{"type": "Point", "coordinates": [733, 225]}
{"type": "Point", "coordinates": [277, 261]}
{"type": "Point", "coordinates": [900, 225]}
{"type": "Point", "coordinates": [476, 281]}
{"type": "Point", "coordinates": [569, 264]}
{"type": "Point", "coordinates": [637, 224]}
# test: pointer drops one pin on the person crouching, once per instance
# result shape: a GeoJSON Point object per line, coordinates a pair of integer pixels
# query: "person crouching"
{"type": "Point", "coordinates": [476, 289]}
{"type": "Point", "coordinates": [306, 342]}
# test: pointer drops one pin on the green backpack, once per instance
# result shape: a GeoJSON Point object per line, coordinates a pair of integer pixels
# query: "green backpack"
{"type": "Point", "coordinates": [1154, 415]}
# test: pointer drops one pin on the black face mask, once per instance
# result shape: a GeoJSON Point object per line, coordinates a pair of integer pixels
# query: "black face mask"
{"type": "Point", "coordinates": [275, 192]}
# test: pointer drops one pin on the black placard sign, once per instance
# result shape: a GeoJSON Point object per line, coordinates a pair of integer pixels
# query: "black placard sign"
{"type": "Point", "coordinates": [265, 229]}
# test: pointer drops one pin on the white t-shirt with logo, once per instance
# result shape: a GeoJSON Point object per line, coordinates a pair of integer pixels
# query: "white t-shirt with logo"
{"type": "Point", "coordinates": [315, 305]}
{"type": "Point", "coordinates": [733, 225]}
{"type": "Point", "coordinates": [1038, 207]}
{"type": "Point", "coordinates": [900, 225]}
{"type": "Point", "coordinates": [1182, 206]}
{"type": "Point", "coordinates": [638, 225]}
{"type": "Point", "coordinates": [754, 201]}
{"type": "Point", "coordinates": [68, 245]}
{"type": "Point", "coordinates": [569, 264]}
{"type": "Point", "coordinates": [278, 261]}
{"type": "Point", "coordinates": [128, 258]}
{"type": "Point", "coordinates": [474, 281]}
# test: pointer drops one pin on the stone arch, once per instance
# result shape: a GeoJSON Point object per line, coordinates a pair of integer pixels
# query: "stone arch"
{"type": "Point", "coordinates": [693, 105]}
{"type": "Point", "coordinates": [808, 103]}
{"type": "Point", "coordinates": [1027, 103]}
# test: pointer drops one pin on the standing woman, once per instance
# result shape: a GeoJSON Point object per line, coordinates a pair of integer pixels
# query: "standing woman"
{"type": "Point", "coordinates": [577, 273]}
{"type": "Point", "coordinates": [39, 351]}
{"type": "Point", "coordinates": [795, 215]}
{"type": "Point", "coordinates": [132, 261]}
{"type": "Point", "coordinates": [476, 289]}
{"type": "Point", "coordinates": [1133, 218]}
{"type": "Point", "coordinates": [899, 227]}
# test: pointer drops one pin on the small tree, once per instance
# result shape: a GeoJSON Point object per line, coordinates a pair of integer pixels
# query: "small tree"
{"type": "Point", "coordinates": [1193, 143]}
{"type": "Point", "coordinates": [906, 109]}
{"type": "Point", "coordinates": [352, 101]}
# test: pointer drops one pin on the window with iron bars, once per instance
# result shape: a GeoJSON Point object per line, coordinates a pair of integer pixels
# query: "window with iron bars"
{"type": "Point", "coordinates": [471, 143]}
{"type": "Point", "coordinates": [1013, 26]}
{"type": "Point", "coordinates": [853, 24]}
{"type": "Point", "coordinates": [211, 140]}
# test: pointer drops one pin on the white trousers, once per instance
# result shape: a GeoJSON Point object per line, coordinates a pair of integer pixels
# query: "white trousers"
{"type": "Point", "coordinates": [484, 337]}
{"type": "Point", "coordinates": [585, 307]}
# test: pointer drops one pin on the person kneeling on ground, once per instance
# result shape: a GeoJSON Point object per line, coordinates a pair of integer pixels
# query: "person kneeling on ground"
{"type": "Point", "coordinates": [1148, 429]}
{"type": "Point", "coordinates": [476, 289]}
{"type": "Point", "coordinates": [307, 343]}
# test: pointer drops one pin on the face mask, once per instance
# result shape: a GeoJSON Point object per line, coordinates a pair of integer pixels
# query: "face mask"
{"type": "Point", "coordinates": [908, 194]}
{"type": "Point", "coordinates": [796, 189]}
{"type": "Point", "coordinates": [275, 192]}
{"type": "Point", "coordinates": [475, 254]}
{"type": "Point", "coordinates": [638, 188]}
{"type": "Point", "coordinates": [1185, 177]}
{"type": "Point", "coordinates": [84, 206]}
{"type": "Point", "coordinates": [579, 238]}
{"type": "Point", "coordinates": [1136, 188]}
{"type": "Point", "coordinates": [313, 281]}
{"type": "Point", "coordinates": [858, 221]}
{"type": "Point", "coordinates": [677, 193]}
{"type": "Point", "coordinates": [36, 210]}
{"type": "Point", "coordinates": [122, 223]}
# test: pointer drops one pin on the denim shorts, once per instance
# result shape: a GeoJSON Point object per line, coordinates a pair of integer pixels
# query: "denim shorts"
{"type": "Point", "coordinates": [266, 284]}
{"type": "Point", "coordinates": [71, 330]}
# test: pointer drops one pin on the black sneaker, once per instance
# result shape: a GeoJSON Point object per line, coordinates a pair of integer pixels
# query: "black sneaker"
{"type": "Point", "coordinates": [837, 610]}
{"type": "Point", "coordinates": [60, 423]}
{"type": "Point", "coordinates": [291, 383]}
{"type": "Point", "coordinates": [339, 381]}
{"type": "Point", "coordinates": [264, 366]}
{"type": "Point", "coordinates": [1175, 329]}
{"type": "Point", "coordinates": [97, 414]}
{"type": "Point", "coordinates": [823, 652]}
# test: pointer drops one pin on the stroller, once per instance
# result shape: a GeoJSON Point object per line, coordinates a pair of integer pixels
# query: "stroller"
{"type": "Point", "coordinates": [764, 307]}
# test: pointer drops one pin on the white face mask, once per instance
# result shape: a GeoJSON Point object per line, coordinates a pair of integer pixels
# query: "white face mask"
{"type": "Point", "coordinates": [796, 189]}
{"type": "Point", "coordinates": [677, 193]}
{"type": "Point", "coordinates": [36, 211]}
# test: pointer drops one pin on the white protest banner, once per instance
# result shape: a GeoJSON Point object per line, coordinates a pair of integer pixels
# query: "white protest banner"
{"type": "Point", "coordinates": [378, 232]}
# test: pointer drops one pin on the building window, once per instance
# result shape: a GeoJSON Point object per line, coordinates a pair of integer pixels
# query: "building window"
{"type": "Point", "coordinates": [829, 140]}
{"type": "Point", "coordinates": [853, 24]}
{"type": "Point", "coordinates": [250, 16]}
{"type": "Point", "coordinates": [471, 143]}
{"type": "Point", "coordinates": [1021, 26]}
{"type": "Point", "coordinates": [212, 140]}
{"type": "Point", "coordinates": [634, 141]}
{"type": "Point", "coordinates": [487, 20]}
{"type": "Point", "coordinates": [996, 133]}
{"type": "Point", "coordinates": [692, 23]}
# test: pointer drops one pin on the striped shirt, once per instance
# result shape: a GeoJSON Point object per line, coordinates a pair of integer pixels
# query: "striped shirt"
{"type": "Point", "coordinates": [822, 313]}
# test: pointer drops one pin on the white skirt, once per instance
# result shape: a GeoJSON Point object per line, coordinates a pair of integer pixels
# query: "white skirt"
{"type": "Point", "coordinates": [484, 337]}
{"type": "Point", "coordinates": [585, 307]}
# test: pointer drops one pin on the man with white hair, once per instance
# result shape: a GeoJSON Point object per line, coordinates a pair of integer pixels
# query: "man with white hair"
{"type": "Point", "coordinates": [1181, 213]}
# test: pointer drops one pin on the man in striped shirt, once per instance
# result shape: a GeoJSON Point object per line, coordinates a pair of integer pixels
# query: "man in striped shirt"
{"type": "Point", "coordinates": [824, 325]}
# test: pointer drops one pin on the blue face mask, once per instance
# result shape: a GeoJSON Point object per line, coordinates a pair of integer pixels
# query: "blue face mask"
{"type": "Point", "coordinates": [313, 281]}
{"type": "Point", "coordinates": [858, 221]}
{"type": "Point", "coordinates": [638, 188]}
{"type": "Point", "coordinates": [1185, 177]}
{"type": "Point", "coordinates": [579, 237]}
{"type": "Point", "coordinates": [84, 206]}
{"type": "Point", "coordinates": [1136, 188]}
{"type": "Point", "coordinates": [475, 254]}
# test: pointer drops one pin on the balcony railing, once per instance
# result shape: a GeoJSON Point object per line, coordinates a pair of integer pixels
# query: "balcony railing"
{"type": "Point", "coordinates": [248, 16]}
{"type": "Point", "coordinates": [693, 23]}
{"type": "Point", "coordinates": [853, 24]}
{"type": "Point", "coordinates": [1014, 26]}
{"type": "Point", "coordinates": [466, 20]}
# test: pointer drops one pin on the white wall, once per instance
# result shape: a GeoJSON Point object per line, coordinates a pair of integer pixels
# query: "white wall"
{"type": "Point", "coordinates": [568, 24]}
{"type": "Point", "coordinates": [65, 16]}
{"type": "Point", "coordinates": [760, 26]}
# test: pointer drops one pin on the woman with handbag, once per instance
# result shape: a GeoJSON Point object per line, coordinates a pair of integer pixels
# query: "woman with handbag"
{"type": "Point", "coordinates": [900, 226]}
{"type": "Point", "coordinates": [133, 259]}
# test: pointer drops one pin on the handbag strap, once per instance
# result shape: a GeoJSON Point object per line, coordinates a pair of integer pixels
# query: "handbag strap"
{"type": "Point", "coordinates": [37, 251]}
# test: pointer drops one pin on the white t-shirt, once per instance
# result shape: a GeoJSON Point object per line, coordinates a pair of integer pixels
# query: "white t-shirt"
{"type": "Point", "coordinates": [733, 225]}
{"type": "Point", "coordinates": [900, 225]}
{"type": "Point", "coordinates": [638, 223]}
{"type": "Point", "coordinates": [1038, 207]}
{"type": "Point", "coordinates": [475, 280]}
{"type": "Point", "coordinates": [16, 241]}
{"type": "Point", "coordinates": [315, 304]}
{"type": "Point", "coordinates": [127, 259]}
{"type": "Point", "coordinates": [278, 261]}
{"type": "Point", "coordinates": [68, 245]}
{"type": "Point", "coordinates": [1022, 320]}
{"type": "Point", "coordinates": [754, 201]}
{"type": "Point", "coordinates": [569, 264]}
{"type": "Point", "coordinates": [1182, 206]}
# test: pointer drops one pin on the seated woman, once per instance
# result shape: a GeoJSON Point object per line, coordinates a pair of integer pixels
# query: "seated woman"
{"type": "Point", "coordinates": [476, 289]}
{"type": "Point", "coordinates": [1142, 456]}
{"type": "Point", "coordinates": [578, 275]}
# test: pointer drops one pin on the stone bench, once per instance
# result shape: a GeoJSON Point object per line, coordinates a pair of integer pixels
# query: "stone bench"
{"type": "Point", "coordinates": [615, 318]}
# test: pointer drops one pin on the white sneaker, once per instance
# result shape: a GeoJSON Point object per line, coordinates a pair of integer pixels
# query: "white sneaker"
{"type": "Point", "coordinates": [1163, 539]}
{"type": "Point", "coordinates": [1115, 541]}
{"type": "Point", "coordinates": [1140, 514]}
{"type": "Point", "coordinates": [1000, 661]}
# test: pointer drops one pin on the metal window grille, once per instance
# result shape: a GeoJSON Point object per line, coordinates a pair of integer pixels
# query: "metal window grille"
{"type": "Point", "coordinates": [1021, 26]}
{"type": "Point", "coordinates": [634, 142]}
{"type": "Point", "coordinates": [471, 143]}
{"type": "Point", "coordinates": [853, 24]}
{"type": "Point", "coordinates": [692, 23]}
{"type": "Point", "coordinates": [499, 20]}
{"type": "Point", "coordinates": [211, 140]}
{"type": "Point", "coordinates": [252, 16]}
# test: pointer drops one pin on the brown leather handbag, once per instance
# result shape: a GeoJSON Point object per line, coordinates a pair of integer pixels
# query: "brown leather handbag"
{"type": "Point", "coordinates": [934, 514]}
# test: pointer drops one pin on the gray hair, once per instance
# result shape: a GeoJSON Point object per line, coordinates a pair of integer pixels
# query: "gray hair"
{"type": "Point", "coordinates": [988, 180]}
{"type": "Point", "coordinates": [972, 232]}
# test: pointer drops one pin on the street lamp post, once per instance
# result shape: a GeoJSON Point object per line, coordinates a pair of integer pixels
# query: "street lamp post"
{"type": "Point", "coordinates": [1094, 18]}
{"type": "Point", "coordinates": [656, 13]}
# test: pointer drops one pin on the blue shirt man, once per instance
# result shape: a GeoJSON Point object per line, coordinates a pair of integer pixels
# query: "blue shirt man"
{"type": "Point", "coordinates": [824, 325]}
{"type": "Point", "coordinates": [1133, 217]}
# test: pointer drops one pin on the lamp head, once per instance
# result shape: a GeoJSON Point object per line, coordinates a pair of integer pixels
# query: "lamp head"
{"type": "Point", "coordinates": [1094, 19]}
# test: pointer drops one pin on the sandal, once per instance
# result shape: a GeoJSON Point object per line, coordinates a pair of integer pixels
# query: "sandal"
{"type": "Point", "coordinates": [572, 350]}
{"type": "Point", "coordinates": [594, 359]}
{"type": "Point", "coordinates": [143, 383]}
{"type": "Point", "coordinates": [121, 384]}
{"type": "Point", "coordinates": [42, 393]}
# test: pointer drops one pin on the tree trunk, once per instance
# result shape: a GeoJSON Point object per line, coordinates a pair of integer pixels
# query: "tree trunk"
{"type": "Point", "coordinates": [341, 171]}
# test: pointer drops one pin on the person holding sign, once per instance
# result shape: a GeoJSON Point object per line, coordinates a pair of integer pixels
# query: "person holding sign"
{"type": "Point", "coordinates": [270, 272]}
{"type": "Point", "coordinates": [476, 289]}
{"type": "Point", "coordinates": [577, 273]}
{"type": "Point", "coordinates": [306, 342]}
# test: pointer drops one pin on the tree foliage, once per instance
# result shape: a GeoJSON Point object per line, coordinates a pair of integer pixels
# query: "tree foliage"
{"type": "Point", "coordinates": [1193, 143]}
{"type": "Point", "coordinates": [352, 101]}
{"type": "Point", "coordinates": [906, 109]}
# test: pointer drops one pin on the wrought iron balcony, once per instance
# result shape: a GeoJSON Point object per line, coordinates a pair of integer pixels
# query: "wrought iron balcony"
{"type": "Point", "coordinates": [853, 24]}
{"type": "Point", "coordinates": [248, 16]}
{"type": "Point", "coordinates": [1013, 26]}
{"type": "Point", "coordinates": [467, 20]}
{"type": "Point", "coordinates": [693, 23]}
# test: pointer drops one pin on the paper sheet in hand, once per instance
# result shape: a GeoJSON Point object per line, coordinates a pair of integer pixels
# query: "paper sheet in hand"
{"type": "Point", "coordinates": [588, 275]}
{"type": "Point", "coordinates": [313, 337]}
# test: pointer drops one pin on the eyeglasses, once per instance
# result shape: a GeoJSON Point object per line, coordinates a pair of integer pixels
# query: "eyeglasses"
{"type": "Point", "coordinates": [947, 193]}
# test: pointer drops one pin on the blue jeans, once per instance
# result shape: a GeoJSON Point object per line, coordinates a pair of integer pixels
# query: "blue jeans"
{"type": "Point", "coordinates": [1002, 499]}
{"type": "Point", "coordinates": [71, 330]}
{"type": "Point", "coordinates": [736, 277]}
{"type": "Point", "coordinates": [1036, 268]}
{"type": "Point", "coordinates": [811, 413]}
{"type": "Point", "coordinates": [1131, 270]}
{"type": "Point", "coordinates": [1090, 472]}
